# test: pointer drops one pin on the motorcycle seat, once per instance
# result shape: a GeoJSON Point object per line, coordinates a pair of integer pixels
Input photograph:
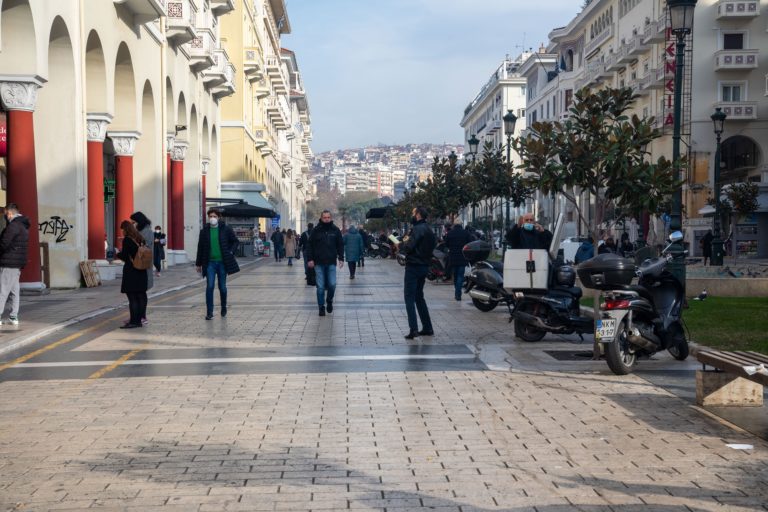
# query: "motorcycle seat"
{"type": "Point", "coordinates": [497, 266]}
{"type": "Point", "coordinates": [573, 291]}
{"type": "Point", "coordinates": [641, 290]}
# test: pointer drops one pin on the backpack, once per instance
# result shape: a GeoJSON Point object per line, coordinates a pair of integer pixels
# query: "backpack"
{"type": "Point", "coordinates": [143, 258]}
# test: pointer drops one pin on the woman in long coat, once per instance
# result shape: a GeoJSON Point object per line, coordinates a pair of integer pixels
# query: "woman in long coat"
{"type": "Point", "coordinates": [353, 249]}
{"type": "Point", "coordinates": [134, 282]}
{"type": "Point", "coordinates": [290, 246]}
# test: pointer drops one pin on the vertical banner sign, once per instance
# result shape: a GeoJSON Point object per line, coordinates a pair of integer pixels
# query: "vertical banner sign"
{"type": "Point", "coordinates": [3, 136]}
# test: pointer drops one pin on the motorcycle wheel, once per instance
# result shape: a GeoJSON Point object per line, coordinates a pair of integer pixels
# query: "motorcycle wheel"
{"type": "Point", "coordinates": [484, 306]}
{"type": "Point", "coordinates": [678, 347]}
{"type": "Point", "coordinates": [527, 332]}
{"type": "Point", "coordinates": [620, 358]}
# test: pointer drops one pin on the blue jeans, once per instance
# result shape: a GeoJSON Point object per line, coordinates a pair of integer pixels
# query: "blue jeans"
{"type": "Point", "coordinates": [458, 280]}
{"type": "Point", "coordinates": [413, 290]}
{"type": "Point", "coordinates": [215, 269]}
{"type": "Point", "coordinates": [326, 280]}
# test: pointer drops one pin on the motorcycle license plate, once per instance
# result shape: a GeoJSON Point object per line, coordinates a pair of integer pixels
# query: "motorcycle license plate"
{"type": "Point", "coordinates": [605, 328]}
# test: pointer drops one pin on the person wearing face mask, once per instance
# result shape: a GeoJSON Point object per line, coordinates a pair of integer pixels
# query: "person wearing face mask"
{"type": "Point", "coordinates": [216, 248]}
{"type": "Point", "coordinates": [324, 248]}
{"type": "Point", "coordinates": [417, 248]}
{"type": "Point", "coordinates": [528, 234]}
{"type": "Point", "coordinates": [13, 256]}
{"type": "Point", "coordinates": [159, 249]}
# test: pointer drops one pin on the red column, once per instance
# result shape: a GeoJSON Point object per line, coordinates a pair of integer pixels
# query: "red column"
{"type": "Point", "coordinates": [22, 184]}
{"type": "Point", "coordinates": [177, 192]}
{"type": "Point", "coordinates": [97, 126]}
{"type": "Point", "coordinates": [125, 145]}
{"type": "Point", "coordinates": [19, 98]}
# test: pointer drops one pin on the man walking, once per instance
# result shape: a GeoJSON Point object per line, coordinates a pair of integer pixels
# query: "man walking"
{"type": "Point", "coordinates": [277, 244]}
{"type": "Point", "coordinates": [417, 248]}
{"type": "Point", "coordinates": [303, 241]}
{"type": "Point", "coordinates": [325, 246]}
{"type": "Point", "coordinates": [456, 239]}
{"type": "Point", "coordinates": [13, 256]}
{"type": "Point", "coordinates": [216, 248]}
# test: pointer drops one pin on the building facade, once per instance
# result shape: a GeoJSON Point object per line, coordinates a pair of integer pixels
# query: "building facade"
{"type": "Point", "coordinates": [266, 127]}
{"type": "Point", "coordinates": [628, 43]}
{"type": "Point", "coordinates": [111, 107]}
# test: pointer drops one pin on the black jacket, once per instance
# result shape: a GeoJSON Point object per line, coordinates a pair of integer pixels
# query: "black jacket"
{"type": "Point", "coordinates": [518, 238]}
{"type": "Point", "coordinates": [456, 239]}
{"type": "Point", "coordinates": [420, 245]}
{"type": "Point", "coordinates": [228, 243]}
{"type": "Point", "coordinates": [325, 244]}
{"type": "Point", "coordinates": [277, 239]}
{"type": "Point", "coordinates": [303, 240]}
{"type": "Point", "coordinates": [134, 280]}
{"type": "Point", "coordinates": [14, 241]}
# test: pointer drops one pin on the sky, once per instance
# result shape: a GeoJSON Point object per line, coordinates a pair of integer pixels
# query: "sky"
{"type": "Point", "coordinates": [402, 71]}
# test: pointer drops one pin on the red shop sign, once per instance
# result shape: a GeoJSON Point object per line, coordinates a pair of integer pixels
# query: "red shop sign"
{"type": "Point", "coordinates": [3, 136]}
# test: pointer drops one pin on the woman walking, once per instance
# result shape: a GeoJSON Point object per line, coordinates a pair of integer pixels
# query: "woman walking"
{"type": "Point", "coordinates": [290, 246]}
{"type": "Point", "coordinates": [353, 249]}
{"type": "Point", "coordinates": [134, 282]}
{"type": "Point", "coordinates": [144, 227]}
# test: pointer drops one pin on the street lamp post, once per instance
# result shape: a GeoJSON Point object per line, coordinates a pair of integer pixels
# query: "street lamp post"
{"type": "Point", "coordinates": [718, 251]}
{"type": "Point", "coordinates": [509, 127]}
{"type": "Point", "coordinates": [473, 145]}
{"type": "Point", "coordinates": [681, 15]}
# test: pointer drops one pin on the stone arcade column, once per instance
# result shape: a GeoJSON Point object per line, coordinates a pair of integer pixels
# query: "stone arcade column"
{"type": "Point", "coordinates": [19, 95]}
{"type": "Point", "coordinates": [125, 146]}
{"type": "Point", "coordinates": [169, 138]}
{"type": "Point", "coordinates": [177, 200]}
{"type": "Point", "coordinates": [204, 163]}
{"type": "Point", "coordinates": [97, 131]}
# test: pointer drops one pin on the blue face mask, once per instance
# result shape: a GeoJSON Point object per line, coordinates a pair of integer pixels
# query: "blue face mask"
{"type": "Point", "coordinates": [528, 226]}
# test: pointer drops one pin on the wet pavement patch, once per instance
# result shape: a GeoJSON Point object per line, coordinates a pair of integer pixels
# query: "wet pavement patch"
{"type": "Point", "coordinates": [570, 355]}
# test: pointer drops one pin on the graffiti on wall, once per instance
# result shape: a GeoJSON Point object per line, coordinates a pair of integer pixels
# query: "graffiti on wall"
{"type": "Point", "coordinates": [57, 227]}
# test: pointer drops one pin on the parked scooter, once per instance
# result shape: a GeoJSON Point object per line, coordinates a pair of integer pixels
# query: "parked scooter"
{"type": "Point", "coordinates": [642, 319]}
{"type": "Point", "coordinates": [484, 283]}
{"type": "Point", "coordinates": [438, 266]}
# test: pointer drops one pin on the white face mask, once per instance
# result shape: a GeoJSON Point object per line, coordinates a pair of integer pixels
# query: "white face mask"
{"type": "Point", "coordinates": [214, 221]}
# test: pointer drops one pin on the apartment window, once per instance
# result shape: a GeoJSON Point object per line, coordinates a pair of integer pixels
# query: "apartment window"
{"type": "Point", "coordinates": [520, 112]}
{"type": "Point", "coordinates": [568, 97]}
{"type": "Point", "coordinates": [732, 92]}
{"type": "Point", "coordinates": [733, 41]}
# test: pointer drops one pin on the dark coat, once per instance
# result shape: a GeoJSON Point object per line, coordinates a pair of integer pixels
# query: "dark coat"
{"type": "Point", "coordinates": [456, 239]}
{"type": "Point", "coordinates": [277, 239]}
{"type": "Point", "coordinates": [303, 242]}
{"type": "Point", "coordinates": [518, 238]}
{"type": "Point", "coordinates": [706, 245]}
{"type": "Point", "coordinates": [227, 241]}
{"type": "Point", "coordinates": [14, 241]}
{"type": "Point", "coordinates": [420, 245]}
{"type": "Point", "coordinates": [325, 244]}
{"type": "Point", "coordinates": [159, 247]}
{"type": "Point", "coordinates": [134, 280]}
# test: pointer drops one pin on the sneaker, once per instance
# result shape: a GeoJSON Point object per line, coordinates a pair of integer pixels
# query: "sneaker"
{"type": "Point", "coordinates": [209, 317]}
{"type": "Point", "coordinates": [329, 307]}
{"type": "Point", "coordinates": [14, 320]}
{"type": "Point", "coordinates": [322, 310]}
{"type": "Point", "coordinates": [144, 321]}
{"type": "Point", "coordinates": [223, 311]}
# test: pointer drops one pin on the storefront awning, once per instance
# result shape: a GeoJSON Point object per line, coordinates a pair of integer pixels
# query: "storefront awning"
{"type": "Point", "coordinates": [377, 213]}
{"type": "Point", "coordinates": [246, 210]}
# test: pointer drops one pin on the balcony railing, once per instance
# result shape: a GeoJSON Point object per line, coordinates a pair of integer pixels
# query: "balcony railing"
{"type": "Point", "coordinates": [739, 110]}
{"type": "Point", "coordinates": [262, 137]}
{"type": "Point", "coordinates": [261, 89]}
{"type": "Point", "coordinates": [275, 72]}
{"type": "Point", "coordinates": [726, 60]}
{"type": "Point", "coordinates": [202, 46]}
{"type": "Point", "coordinates": [253, 66]}
{"type": "Point", "coordinates": [227, 88]}
{"type": "Point", "coordinates": [738, 8]}
{"type": "Point", "coordinates": [215, 75]}
{"type": "Point", "coordinates": [180, 21]}
{"type": "Point", "coordinates": [597, 41]}
{"type": "Point", "coordinates": [635, 46]}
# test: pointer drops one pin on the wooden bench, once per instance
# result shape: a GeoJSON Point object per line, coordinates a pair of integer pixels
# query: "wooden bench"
{"type": "Point", "coordinates": [737, 379]}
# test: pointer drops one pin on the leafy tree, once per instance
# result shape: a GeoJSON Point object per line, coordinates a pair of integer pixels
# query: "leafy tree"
{"type": "Point", "coordinates": [601, 150]}
{"type": "Point", "coordinates": [741, 201]}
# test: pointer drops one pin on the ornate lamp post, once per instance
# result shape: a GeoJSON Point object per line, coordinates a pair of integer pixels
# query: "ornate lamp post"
{"type": "Point", "coordinates": [474, 143]}
{"type": "Point", "coordinates": [681, 14]}
{"type": "Point", "coordinates": [509, 128]}
{"type": "Point", "coordinates": [718, 251]}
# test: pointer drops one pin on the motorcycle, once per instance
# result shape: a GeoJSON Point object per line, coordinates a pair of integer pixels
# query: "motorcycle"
{"type": "Point", "coordinates": [642, 319]}
{"type": "Point", "coordinates": [438, 266]}
{"type": "Point", "coordinates": [484, 283]}
{"type": "Point", "coordinates": [556, 310]}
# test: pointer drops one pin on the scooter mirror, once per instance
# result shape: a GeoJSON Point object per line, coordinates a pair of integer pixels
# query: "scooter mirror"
{"type": "Point", "coordinates": [675, 236]}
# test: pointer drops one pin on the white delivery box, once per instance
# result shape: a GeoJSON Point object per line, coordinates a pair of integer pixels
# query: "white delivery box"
{"type": "Point", "coordinates": [526, 269]}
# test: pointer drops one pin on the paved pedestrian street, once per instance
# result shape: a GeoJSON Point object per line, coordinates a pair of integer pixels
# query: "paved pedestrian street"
{"type": "Point", "coordinates": [275, 408]}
